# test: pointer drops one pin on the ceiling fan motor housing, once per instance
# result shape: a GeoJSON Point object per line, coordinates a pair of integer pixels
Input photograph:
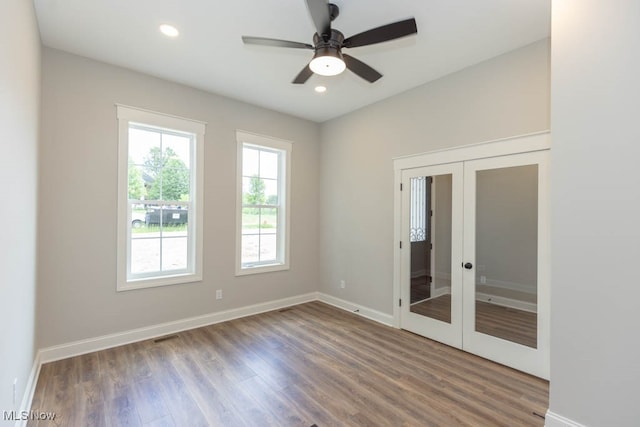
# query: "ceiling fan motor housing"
{"type": "Point", "coordinates": [333, 42]}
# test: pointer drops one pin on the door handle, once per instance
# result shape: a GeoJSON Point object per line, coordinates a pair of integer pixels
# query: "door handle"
{"type": "Point", "coordinates": [468, 265]}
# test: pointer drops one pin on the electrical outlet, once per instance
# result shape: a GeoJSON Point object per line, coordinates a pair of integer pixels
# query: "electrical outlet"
{"type": "Point", "coordinates": [483, 280]}
{"type": "Point", "coordinates": [219, 294]}
{"type": "Point", "coordinates": [343, 284]}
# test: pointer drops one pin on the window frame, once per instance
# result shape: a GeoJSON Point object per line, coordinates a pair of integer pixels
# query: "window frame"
{"type": "Point", "coordinates": [130, 115]}
{"type": "Point", "coordinates": [284, 149]}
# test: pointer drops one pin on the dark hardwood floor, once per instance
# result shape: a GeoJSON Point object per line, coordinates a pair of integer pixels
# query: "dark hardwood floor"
{"type": "Point", "coordinates": [308, 364]}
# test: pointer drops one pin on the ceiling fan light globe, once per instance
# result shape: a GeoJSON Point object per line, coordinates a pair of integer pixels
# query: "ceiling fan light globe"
{"type": "Point", "coordinates": [327, 62]}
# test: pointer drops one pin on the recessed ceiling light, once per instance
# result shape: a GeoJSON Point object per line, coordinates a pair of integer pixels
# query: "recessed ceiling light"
{"type": "Point", "coordinates": [320, 89]}
{"type": "Point", "coordinates": [169, 30]}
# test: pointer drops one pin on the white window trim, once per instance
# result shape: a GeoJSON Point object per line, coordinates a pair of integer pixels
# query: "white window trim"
{"type": "Point", "coordinates": [125, 115]}
{"type": "Point", "coordinates": [284, 224]}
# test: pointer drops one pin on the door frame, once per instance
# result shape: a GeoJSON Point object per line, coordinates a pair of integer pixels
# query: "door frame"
{"type": "Point", "coordinates": [538, 141]}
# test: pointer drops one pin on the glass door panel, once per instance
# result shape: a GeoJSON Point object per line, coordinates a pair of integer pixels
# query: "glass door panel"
{"type": "Point", "coordinates": [432, 228]}
{"type": "Point", "coordinates": [507, 253]}
{"type": "Point", "coordinates": [431, 246]}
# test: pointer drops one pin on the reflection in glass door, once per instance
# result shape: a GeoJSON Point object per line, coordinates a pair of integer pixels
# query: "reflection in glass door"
{"type": "Point", "coordinates": [432, 294]}
{"type": "Point", "coordinates": [507, 253]}
{"type": "Point", "coordinates": [431, 246]}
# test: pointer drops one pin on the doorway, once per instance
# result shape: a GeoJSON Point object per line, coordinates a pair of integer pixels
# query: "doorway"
{"type": "Point", "coordinates": [472, 262]}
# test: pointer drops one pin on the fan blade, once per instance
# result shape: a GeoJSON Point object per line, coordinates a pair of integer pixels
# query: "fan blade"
{"type": "Point", "coordinates": [275, 42]}
{"type": "Point", "coordinates": [303, 76]}
{"type": "Point", "coordinates": [383, 34]}
{"type": "Point", "coordinates": [361, 69]}
{"type": "Point", "coordinates": [319, 10]}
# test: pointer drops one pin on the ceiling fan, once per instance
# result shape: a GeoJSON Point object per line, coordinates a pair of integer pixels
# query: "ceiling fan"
{"type": "Point", "coordinates": [328, 59]}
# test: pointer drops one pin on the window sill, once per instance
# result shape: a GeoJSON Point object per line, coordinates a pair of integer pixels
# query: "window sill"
{"type": "Point", "coordinates": [154, 282]}
{"type": "Point", "coordinates": [268, 268]}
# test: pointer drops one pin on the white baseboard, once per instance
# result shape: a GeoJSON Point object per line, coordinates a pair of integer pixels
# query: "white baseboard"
{"type": "Point", "coordinates": [90, 345]}
{"type": "Point", "coordinates": [507, 302]}
{"type": "Point", "coordinates": [29, 391]}
{"type": "Point", "coordinates": [554, 420]}
{"type": "Point", "coordinates": [528, 289]}
{"type": "Point", "coordinates": [369, 313]}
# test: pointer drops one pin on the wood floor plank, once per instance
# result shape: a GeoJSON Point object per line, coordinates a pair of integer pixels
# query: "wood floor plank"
{"type": "Point", "coordinates": [176, 396]}
{"type": "Point", "coordinates": [308, 364]}
{"type": "Point", "coordinates": [150, 403]}
{"type": "Point", "coordinates": [273, 401]}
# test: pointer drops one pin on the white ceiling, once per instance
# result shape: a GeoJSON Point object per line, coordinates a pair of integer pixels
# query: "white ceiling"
{"type": "Point", "coordinates": [209, 53]}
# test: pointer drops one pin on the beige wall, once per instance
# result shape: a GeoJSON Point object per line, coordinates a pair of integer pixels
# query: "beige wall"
{"type": "Point", "coordinates": [595, 209]}
{"type": "Point", "coordinates": [502, 97]}
{"type": "Point", "coordinates": [78, 174]}
{"type": "Point", "coordinates": [19, 111]}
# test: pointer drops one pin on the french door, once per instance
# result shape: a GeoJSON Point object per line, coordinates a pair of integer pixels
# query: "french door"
{"type": "Point", "coordinates": [473, 267]}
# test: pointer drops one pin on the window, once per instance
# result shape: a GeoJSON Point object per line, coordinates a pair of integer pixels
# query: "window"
{"type": "Point", "coordinates": [262, 204]}
{"type": "Point", "coordinates": [159, 199]}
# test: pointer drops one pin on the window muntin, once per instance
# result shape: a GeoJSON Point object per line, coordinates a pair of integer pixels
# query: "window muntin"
{"type": "Point", "coordinates": [159, 199]}
{"type": "Point", "coordinates": [263, 165]}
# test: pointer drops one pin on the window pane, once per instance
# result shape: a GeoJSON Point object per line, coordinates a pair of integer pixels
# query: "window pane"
{"type": "Point", "coordinates": [166, 218]}
{"type": "Point", "coordinates": [250, 220]}
{"type": "Point", "coordinates": [175, 181]}
{"type": "Point", "coordinates": [137, 189]}
{"type": "Point", "coordinates": [159, 234]}
{"type": "Point", "coordinates": [250, 162]}
{"type": "Point", "coordinates": [268, 164]}
{"type": "Point", "coordinates": [268, 220]}
{"type": "Point", "coordinates": [145, 255]}
{"type": "Point", "coordinates": [178, 146]}
{"type": "Point", "coordinates": [138, 218]}
{"type": "Point", "coordinates": [271, 191]}
{"type": "Point", "coordinates": [253, 191]}
{"type": "Point", "coordinates": [142, 142]}
{"type": "Point", "coordinates": [268, 248]}
{"type": "Point", "coordinates": [151, 187]}
{"type": "Point", "coordinates": [250, 248]}
{"type": "Point", "coordinates": [174, 251]}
